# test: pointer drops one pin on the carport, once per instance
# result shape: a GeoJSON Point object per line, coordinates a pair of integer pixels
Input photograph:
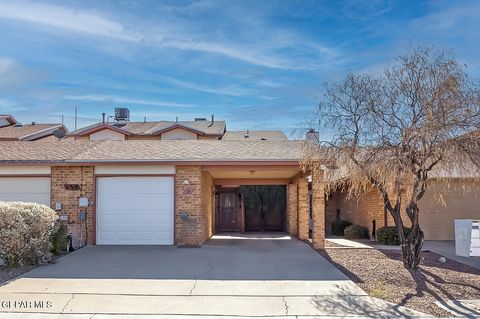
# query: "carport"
{"type": "Point", "coordinates": [302, 212]}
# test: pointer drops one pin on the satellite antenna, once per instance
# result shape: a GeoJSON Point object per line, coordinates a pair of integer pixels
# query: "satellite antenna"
{"type": "Point", "coordinates": [59, 134]}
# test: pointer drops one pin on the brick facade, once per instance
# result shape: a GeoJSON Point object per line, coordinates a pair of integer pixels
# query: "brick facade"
{"type": "Point", "coordinates": [208, 192]}
{"type": "Point", "coordinates": [194, 213]}
{"type": "Point", "coordinates": [191, 220]}
{"type": "Point", "coordinates": [303, 208]}
{"type": "Point", "coordinates": [318, 211]}
{"type": "Point", "coordinates": [292, 207]}
{"type": "Point", "coordinates": [361, 210]}
{"type": "Point", "coordinates": [82, 231]}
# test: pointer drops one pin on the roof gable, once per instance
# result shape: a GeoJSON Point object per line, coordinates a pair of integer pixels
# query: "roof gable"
{"type": "Point", "coordinates": [9, 118]}
{"type": "Point", "coordinates": [99, 127]}
{"type": "Point", "coordinates": [177, 126]}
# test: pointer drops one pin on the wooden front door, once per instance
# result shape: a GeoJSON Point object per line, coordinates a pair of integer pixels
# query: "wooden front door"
{"type": "Point", "coordinates": [227, 211]}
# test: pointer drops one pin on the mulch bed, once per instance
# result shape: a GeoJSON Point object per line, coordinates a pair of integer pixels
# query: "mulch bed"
{"type": "Point", "coordinates": [382, 275]}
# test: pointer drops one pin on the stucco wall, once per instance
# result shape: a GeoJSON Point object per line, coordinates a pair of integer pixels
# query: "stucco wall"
{"type": "Point", "coordinates": [179, 134]}
{"type": "Point", "coordinates": [461, 200]}
{"type": "Point", "coordinates": [107, 135]}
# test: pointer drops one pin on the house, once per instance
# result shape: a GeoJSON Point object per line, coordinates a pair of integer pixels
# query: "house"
{"type": "Point", "coordinates": [161, 192]}
{"type": "Point", "coordinates": [153, 130]}
{"type": "Point", "coordinates": [11, 130]}
{"type": "Point", "coordinates": [460, 199]}
{"type": "Point", "coordinates": [121, 129]}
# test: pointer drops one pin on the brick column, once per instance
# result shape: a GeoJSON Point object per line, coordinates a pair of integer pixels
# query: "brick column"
{"type": "Point", "coordinates": [303, 217]}
{"type": "Point", "coordinates": [318, 210]}
{"type": "Point", "coordinates": [82, 231]}
{"type": "Point", "coordinates": [292, 215]}
{"type": "Point", "coordinates": [190, 214]}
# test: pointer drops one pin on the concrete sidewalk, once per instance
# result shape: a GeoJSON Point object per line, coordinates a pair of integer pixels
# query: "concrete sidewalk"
{"type": "Point", "coordinates": [446, 248]}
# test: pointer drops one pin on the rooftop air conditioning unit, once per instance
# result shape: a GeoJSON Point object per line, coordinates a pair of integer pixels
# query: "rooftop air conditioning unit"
{"type": "Point", "coordinates": [122, 114]}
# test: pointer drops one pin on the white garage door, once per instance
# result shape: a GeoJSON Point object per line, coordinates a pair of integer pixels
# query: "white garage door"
{"type": "Point", "coordinates": [135, 210]}
{"type": "Point", "coordinates": [25, 189]}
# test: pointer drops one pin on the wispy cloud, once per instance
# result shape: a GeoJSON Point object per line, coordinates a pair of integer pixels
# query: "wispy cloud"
{"type": "Point", "coordinates": [14, 76]}
{"type": "Point", "coordinates": [228, 50]}
{"type": "Point", "coordinates": [227, 90]}
{"type": "Point", "coordinates": [119, 99]}
{"type": "Point", "coordinates": [65, 18]}
{"type": "Point", "coordinates": [6, 65]}
{"type": "Point", "coordinates": [169, 35]}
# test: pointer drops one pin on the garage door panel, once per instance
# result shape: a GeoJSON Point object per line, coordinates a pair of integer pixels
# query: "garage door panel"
{"type": "Point", "coordinates": [149, 186]}
{"type": "Point", "coordinates": [135, 210]}
{"type": "Point", "coordinates": [123, 203]}
{"type": "Point", "coordinates": [25, 189]}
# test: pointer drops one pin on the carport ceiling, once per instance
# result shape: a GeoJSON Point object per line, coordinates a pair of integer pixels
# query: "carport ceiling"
{"type": "Point", "coordinates": [254, 174]}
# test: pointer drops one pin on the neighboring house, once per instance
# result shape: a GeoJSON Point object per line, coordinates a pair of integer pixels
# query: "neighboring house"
{"type": "Point", "coordinates": [161, 192]}
{"type": "Point", "coordinates": [121, 129]}
{"type": "Point", "coordinates": [460, 199]}
{"type": "Point", "coordinates": [11, 130]}
{"type": "Point", "coordinates": [157, 130]}
{"type": "Point", "coordinates": [254, 136]}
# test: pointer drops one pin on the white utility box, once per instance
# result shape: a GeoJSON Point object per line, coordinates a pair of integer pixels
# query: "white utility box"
{"type": "Point", "coordinates": [467, 237]}
{"type": "Point", "coordinates": [475, 245]}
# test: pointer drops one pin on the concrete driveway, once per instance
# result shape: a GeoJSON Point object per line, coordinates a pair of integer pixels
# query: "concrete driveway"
{"type": "Point", "coordinates": [253, 275]}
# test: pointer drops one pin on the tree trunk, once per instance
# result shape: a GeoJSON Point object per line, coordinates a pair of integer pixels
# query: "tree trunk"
{"type": "Point", "coordinates": [412, 248]}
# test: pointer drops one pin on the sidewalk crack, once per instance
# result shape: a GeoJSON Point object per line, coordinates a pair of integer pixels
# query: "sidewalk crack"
{"type": "Point", "coordinates": [194, 285]}
{"type": "Point", "coordinates": [286, 305]}
{"type": "Point", "coordinates": [68, 302]}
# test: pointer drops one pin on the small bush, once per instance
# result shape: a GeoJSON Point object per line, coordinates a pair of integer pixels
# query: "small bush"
{"type": "Point", "coordinates": [338, 227]}
{"type": "Point", "coordinates": [356, 232]}
{"type": "Point", "coordinates": [59, 239]}
{"type": "Point", "coordinates": [25, 233]}
{"type": "Point", "coordinates": [389, 235]}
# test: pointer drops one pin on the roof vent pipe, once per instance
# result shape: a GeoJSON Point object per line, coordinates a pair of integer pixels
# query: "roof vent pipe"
{"type": "Point", "coordinates": [103, 117]}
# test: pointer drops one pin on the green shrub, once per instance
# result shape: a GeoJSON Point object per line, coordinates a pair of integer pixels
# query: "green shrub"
{"type": "Point", "coordinates": [338, 226]}
{"type": "Point", "coordinates": [389, 235]}
{"type": "Point", "coordinates": [25, 233]}
{"type": "Point", "coordinates": [59, 239]}
{"type": "Point", "coordinates": [356, 232]}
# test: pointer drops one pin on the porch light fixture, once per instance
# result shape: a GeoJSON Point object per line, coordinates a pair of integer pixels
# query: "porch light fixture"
{"type": "Point", "coordinates": [185, 182]}
{"type": "Point", "coordinates": [252, 172]}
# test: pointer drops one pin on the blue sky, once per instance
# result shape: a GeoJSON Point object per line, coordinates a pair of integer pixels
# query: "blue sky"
{"type": "Point", "coordinates": [255, 64]}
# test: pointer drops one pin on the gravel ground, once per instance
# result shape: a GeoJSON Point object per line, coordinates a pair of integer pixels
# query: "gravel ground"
{"type": "Point", "coordinates": [329, 244]}
{"type": "Point", "coordinates": [381, 274]}
{"type": "Point", "coordinates": [7, 274]}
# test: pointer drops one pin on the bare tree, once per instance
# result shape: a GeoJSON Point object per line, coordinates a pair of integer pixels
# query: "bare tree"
{"type": "Point", "coordinates": [418, 118]}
